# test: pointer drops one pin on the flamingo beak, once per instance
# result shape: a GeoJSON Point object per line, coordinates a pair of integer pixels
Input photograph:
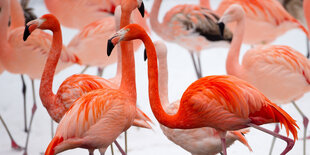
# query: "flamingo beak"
{"type": "Point", "coordinates": [110, 46]}
{"type": "Point", "coordinates": [221, 27]}
{"type": "Point", "coordinates": [26, 33]}
{"type": "Point", "coordinates": [145, 55]}
{"type": "Point", "coordinates": [141, 9]}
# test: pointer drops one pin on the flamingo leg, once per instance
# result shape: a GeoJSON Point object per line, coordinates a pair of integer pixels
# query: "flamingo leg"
{"type": "Point", "coordinates": [112, 150]}
{"type": "Point", "coordinates": [290, 142]}
{"type": "Point", "coordinates": [119, 148]}
{"type": "Point", "coordinates": [126, 142]}
{"type": "Point", "coordinates": [14, 145]}
{"type": "Point", "coordinates": [223, 140]}
{"type": "Point", "coordinates": [52, 128]}
{"type": "Point", "coordinates": [199, 64]}
{"type": "Point", "coordinates": [197, 69]}
{"type": "Point", "coordinates": [91, 152]}
{"type": "Point", "coordinates": [308, 50]}
{"type": "Point", "coordinates": [84, 69]}
{"type": "Point", "coordinates": [100, 71]}
{"type": "Point", "coordinates": [305, 122]}
{"type": "Point", "coordinates": [34, 108]}
{"type": "Point", "coordinates": [25, 106]}
{"type": "Point", "coordinates": [276, 130]}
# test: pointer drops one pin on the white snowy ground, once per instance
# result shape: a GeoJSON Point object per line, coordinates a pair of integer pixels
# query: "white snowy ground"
{"type": "Point", "coordinates": [141, 141]}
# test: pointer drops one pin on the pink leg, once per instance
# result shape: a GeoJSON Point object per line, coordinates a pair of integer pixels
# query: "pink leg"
{"type": "Point", "coordinates": [100, 71]}
{"type": "Point", "coordinates": [223, 140]}
{"type": "Point", "coordinates": [197, 67]}
{"type": "Point", "coordinates": [34, 108]}
{"type": "Point", "coordinates": [305, 122]}
{"type": "Point", "coordinates": [290, 142]}
{"type": "Point", "coordinates": [276, 130]}
{"type": "Point", "coordinates": [24, 97]}
{"type": "Point", "coordinates": [119, 147]}
{"type": "Point", "coordinates": [13, 143]}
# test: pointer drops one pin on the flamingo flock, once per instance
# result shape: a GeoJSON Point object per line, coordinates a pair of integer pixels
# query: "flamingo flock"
{"type": "Point", "coordinates": [212, 112]}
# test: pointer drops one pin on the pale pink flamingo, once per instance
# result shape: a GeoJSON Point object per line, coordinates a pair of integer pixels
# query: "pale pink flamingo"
{"type": "Point", "coordinates": [190, 26]}
{"type": "Point", "coordinates": [266, 20]}
{"type": "Point", "coordinates": [74, 86]}
{"type": "Point", "coordinates": [202, 141]}
{"type": "Point", "coordinates": [224, 103]}
{"type": "Point", "coordinates": [278, 71]}
{"type": "Point", "coordinates": [28, 12]}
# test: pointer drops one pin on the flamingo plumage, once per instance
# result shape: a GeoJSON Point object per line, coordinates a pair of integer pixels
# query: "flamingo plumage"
{"type": "Point", "coordinates": [191, 26]}
{"type": "Point", "coordinates": [224, 103]}
{"type": "Point", "coordinates": [269, 67]}
{"type": "Point", "coordinates": [201, 141]}
{"type": "Point", "coordinates": [266, 20]}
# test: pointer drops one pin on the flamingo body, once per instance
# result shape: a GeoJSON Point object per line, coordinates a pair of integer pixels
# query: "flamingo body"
{"type": "Point", "coordinates": [268, 18]}
{"type": "Point", "coordinates": [94, 121]}
{"type": "Point", "coordinates": [276, 65]}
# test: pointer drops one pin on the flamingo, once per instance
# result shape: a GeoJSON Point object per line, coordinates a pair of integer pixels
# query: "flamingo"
{"type": "Point", "coordinates": [28, 12]}
{"type": "Point", "coordinates": [190, 26]}
{"type": "Point", "coordinates": [269, 67]}
{"type": "Point", "coordinates": [266, 20]}
{"type": "Point", "coordinates": [222, 102]}
{"type": "Point", "coordinates": [28, 57]}
{"type": "Point", "coordinates": [199, 141]}
{"type": "Point", "coordinates": [74, 86]}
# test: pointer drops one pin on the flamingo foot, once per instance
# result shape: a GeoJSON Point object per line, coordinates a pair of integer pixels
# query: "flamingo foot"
{"type": "Point", "coordinates": [15, 146]}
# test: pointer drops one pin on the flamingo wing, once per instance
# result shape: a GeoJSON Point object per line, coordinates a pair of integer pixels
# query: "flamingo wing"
{"type": "Point", "coordinates": [38, 42]}
{"type": "Point", "coordinates": [195, 20]}
{"type": "Point", "coordinates": [94, 120]}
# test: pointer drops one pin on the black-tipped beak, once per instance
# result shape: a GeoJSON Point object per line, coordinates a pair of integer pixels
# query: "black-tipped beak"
{"type": "Point", "coordinates": [26, 33]}
{"type": "Point", "coordinates": [141, 9]}
{"type": "Point", "coordinates": [145, 55]}
{"type": "Point", "coordinates": [222, 27]}
{"type": "Point", "coordinates": [110, 47]}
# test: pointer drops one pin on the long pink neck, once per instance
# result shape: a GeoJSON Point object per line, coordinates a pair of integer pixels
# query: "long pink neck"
{"type": "Point", "coordinates": [163, 77]}
{"type": "Point", "coordinates": [17, 15]}
{"type": "Point", "coordinates": [306, 6]}
{"type": "Point", "coordinates": [233, 66]}
{"type": "Point", "coordinates": [156, 26]}
{"type": "Point", "coordinates": [160, 114]}
{"type": "Point", "coordinates": [46, 87]}
{"type": "Point", "coordinates": [205, 4]}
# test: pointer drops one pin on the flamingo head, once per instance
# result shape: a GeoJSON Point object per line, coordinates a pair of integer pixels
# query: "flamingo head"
{"type": "Point", "coordinates": [130, 5]}
{"type": "Point", "coordinates": [233, 13]}
{"type": "Point", "coordinates": [47, 21]}
{"type": "Point", "coordinates": [127, 33]}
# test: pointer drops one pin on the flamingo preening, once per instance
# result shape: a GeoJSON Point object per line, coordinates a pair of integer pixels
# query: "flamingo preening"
{"type": "Point", "coordinates": [222, 102]}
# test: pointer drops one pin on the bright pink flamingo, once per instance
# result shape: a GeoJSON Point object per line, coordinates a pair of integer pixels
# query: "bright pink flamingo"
{"type": "Point", "coordinates": [266, 20]}
{"type": "Point", "coordinates": [224, 103]}
{"type": "Point", "coordinates": [28, 57]}
{"type": "Point", "coordinates": [74, 86]}
{"type": "Point", "coordinates": [190, 26]}
{"type": "Point", "coordinates": [278, 71]}
{"type": "Point", "coordinates": [84, 12]}
{"type": "Point", "coordinates": [200, 141]}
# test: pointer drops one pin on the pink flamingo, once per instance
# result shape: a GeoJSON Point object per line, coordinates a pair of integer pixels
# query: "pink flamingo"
{"type": "Point", "coordinates": [224, 103]}
{"type": "Point", "coordinates": [266, 20]}
{"type": "Point", "coordinates": [83, 12]}
{"type": "Point", "coordinates": [268, 68]}
{"type": "Point", "coordinates": [200, 141]}
{"type": "Point", "coordinates": [28, 57]}
{"type": "Point", "coordinates": [74, 86]}
{"type": "Point", "coordinates": [190, 26]}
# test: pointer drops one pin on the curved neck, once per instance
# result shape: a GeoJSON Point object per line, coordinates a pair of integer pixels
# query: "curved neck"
{"type": "Point", "coordinates": [306, 5]}
{"type": "Point", "coordinates": [17, 15]}
{"type": "Point", "coordinates": [163, 79]}
{"type": "Point", "coordinates": [158, 111]}
{"type": "Point", "coordinates": [4, 20]}
{"type": "Point", "coordinates": [205, 4]}
{"type": "Point", "coordinates": [156, 26]}
{"type": "Point", "coordinates": [46, 86]}
{"type": "Point", "coordinates": [128, 81]}
{"type": "Point", "coordinates": [232, 62]}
